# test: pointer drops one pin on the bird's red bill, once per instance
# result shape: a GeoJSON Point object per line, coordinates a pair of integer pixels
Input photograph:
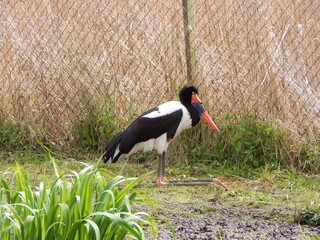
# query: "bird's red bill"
{"type": "Point", "coordinates": [195, 98]}
{"type": "Point", "coordinates": [205, 116]}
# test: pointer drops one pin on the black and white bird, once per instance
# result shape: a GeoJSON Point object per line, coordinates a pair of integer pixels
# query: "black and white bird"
{"type": "Point", "coordinates": [157, 128]}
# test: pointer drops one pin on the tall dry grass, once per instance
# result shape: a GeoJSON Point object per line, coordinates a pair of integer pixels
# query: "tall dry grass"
{"type": "Point", "coordinates": [262, 54]}
{"type": "Point", "coordinates": [61, 58]}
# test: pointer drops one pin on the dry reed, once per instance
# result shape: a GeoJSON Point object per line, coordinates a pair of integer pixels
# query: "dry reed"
{"type": "Point", "coordinates": [61, 58]}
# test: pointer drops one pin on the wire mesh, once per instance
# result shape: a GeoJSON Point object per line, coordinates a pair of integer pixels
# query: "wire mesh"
{"type": "Point", "coordinates": [59, 59]}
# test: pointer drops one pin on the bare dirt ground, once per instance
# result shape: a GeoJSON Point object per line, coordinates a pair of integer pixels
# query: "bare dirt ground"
{"type": "Point", "coordinates": [230, 223]}
{"type": "Point", "coordinates": [248, 210]}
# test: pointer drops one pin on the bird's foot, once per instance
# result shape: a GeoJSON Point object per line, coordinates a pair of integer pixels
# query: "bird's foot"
{"type": "Point", "coordinates": [160, 182]}
{"type": "Point", "coordinates": [214, 180]}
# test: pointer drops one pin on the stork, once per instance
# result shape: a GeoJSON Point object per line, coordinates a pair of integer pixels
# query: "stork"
{"type": "Point", "coordinates": [156, 128]}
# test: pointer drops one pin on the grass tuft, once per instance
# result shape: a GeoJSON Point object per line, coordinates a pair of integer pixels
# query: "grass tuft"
{"type": "Point", "coordinates": [93, 132]}
{"type": "Point", "coordinates": [308, 217]}
{"type": "Point", "coordinates": [13, 137]}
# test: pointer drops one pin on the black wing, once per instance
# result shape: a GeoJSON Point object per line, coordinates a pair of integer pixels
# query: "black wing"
{"type": "Point", "coordinates": [143, 129]}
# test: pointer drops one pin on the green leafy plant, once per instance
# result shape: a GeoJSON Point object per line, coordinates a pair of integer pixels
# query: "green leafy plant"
{"type": "Point", "coordinates": [251, 142]}
{"type": "Point", "coordinates": [243, 143]}
{"type": "Point", "coordinates": [308, 217]}
{"type": "Point", "coordinates": [81, 205]}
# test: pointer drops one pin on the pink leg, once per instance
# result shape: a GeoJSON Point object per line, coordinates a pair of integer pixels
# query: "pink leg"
{"type": "Point", "coordinates": [214, 180]}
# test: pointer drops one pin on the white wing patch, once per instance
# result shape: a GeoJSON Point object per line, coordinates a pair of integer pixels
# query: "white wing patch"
{"type": "Point", "coordinates": [165, 109]}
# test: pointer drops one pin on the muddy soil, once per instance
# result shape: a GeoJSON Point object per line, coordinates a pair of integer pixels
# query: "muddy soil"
{"type": "Point", "coordinates": [230, 222]}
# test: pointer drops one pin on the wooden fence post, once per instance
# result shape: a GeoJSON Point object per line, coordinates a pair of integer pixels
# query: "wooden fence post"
{"type": "Point", "coordinates": [188, 17]}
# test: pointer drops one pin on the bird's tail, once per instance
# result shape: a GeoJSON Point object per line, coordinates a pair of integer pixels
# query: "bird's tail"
{"type": "Point", "coordinates": [112, 152]}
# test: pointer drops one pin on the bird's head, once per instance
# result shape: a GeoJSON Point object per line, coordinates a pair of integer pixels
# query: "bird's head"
{"type": "Point", "coordinates": [189, 95]}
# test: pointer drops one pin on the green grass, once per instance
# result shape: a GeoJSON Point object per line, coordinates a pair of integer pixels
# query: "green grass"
{"type": "Point", "coordinates": [89, 204]}
{"type": "Point", "coordinates": [93, 132]}
{"type": "Point", "coordinates": [13, 137]}
{"type": "Point", "coordinates": [245, 144]}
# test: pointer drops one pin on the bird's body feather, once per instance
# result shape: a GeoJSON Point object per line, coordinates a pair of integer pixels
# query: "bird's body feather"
{"type": "Point", "coordinates": [153, 130]}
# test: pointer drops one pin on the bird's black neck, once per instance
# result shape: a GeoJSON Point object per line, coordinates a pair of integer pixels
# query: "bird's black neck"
{"type": "Point", "coordinates": [185, 96]}
{"type": "Point", "coordinates": [194, 114]}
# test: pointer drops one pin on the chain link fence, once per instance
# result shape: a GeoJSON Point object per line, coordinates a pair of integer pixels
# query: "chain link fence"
{"type": "Point", "coordinates": [59, 59]}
